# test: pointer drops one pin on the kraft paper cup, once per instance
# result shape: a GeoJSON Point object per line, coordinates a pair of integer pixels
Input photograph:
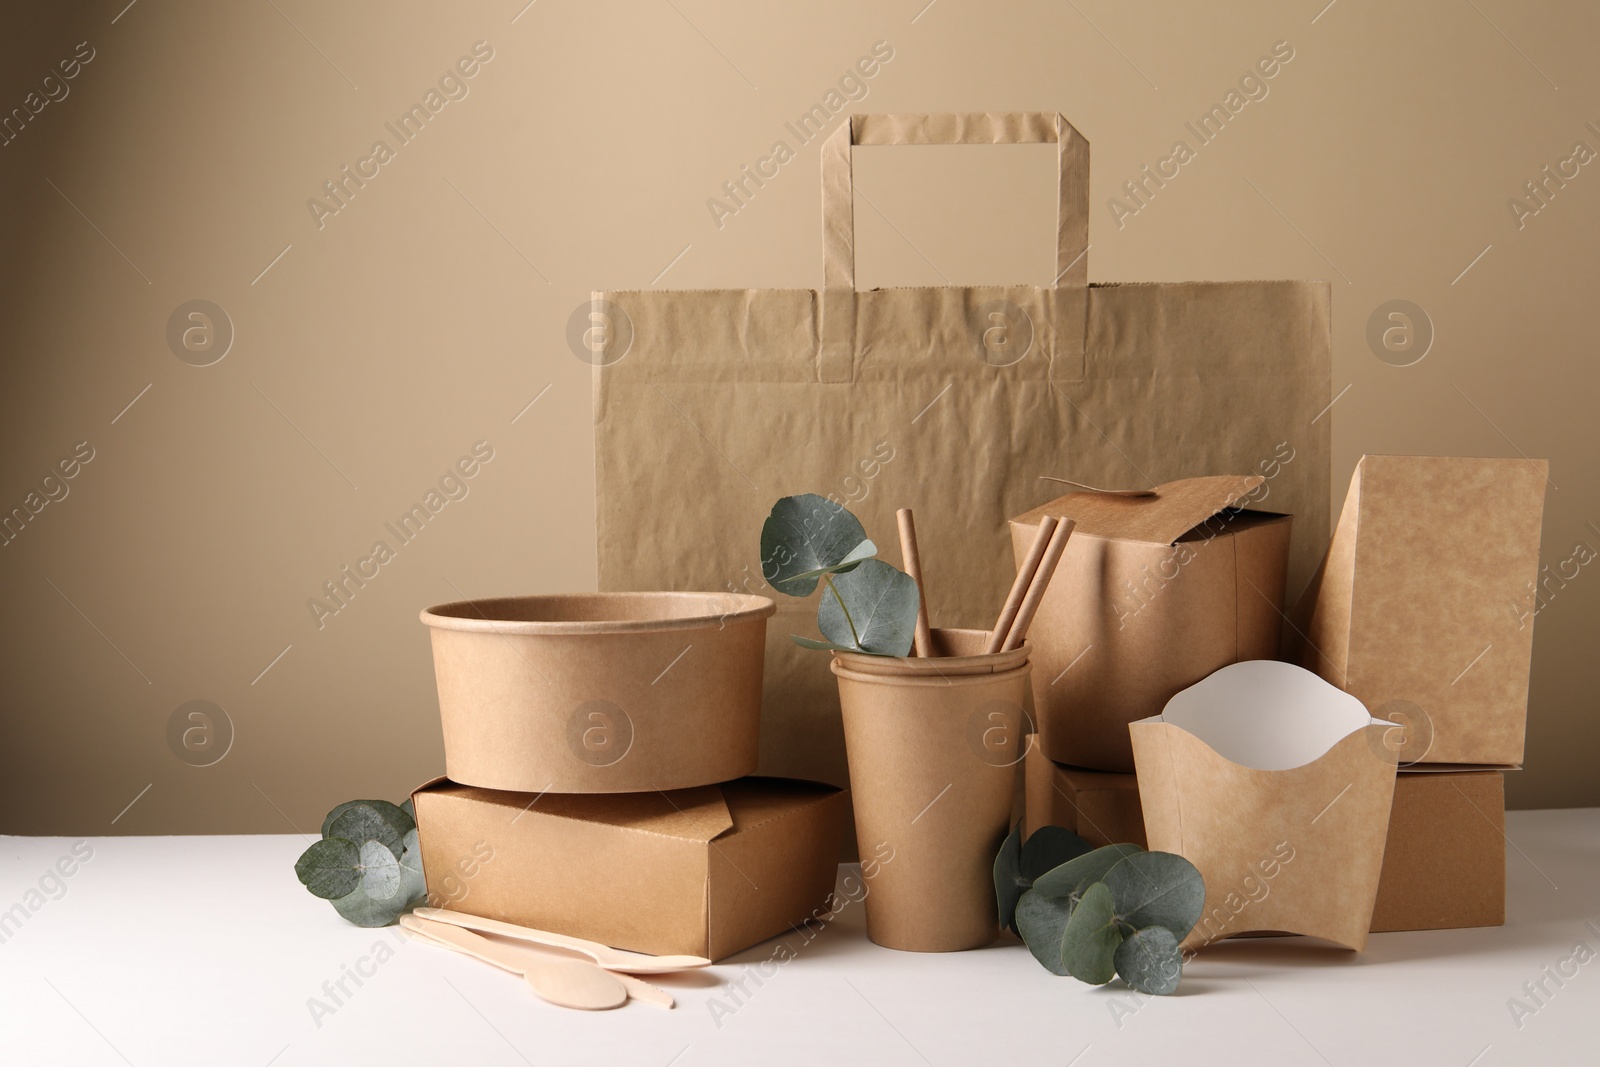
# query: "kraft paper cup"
{"type": "Point", "coordinates": [600, 692]}
{"type": "Point", "coordinates": [954, 652]}
{"type": "Point", "coordinates": [932, 774]}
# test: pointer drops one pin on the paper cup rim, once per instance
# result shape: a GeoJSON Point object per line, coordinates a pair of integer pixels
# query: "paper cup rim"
{"type": "Point", "coordinates": [976, 663]}
{"type": "Point", "coordinates": [666, 611]}
{"type": "Point", "coordinates": [924, 679]}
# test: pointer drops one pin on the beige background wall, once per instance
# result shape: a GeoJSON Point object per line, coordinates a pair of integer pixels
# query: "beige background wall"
{"type": "Point", "coordinates": [427, 313]}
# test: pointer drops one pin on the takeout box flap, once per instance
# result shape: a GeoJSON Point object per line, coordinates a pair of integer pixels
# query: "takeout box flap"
{"type": "Point", "coordinates": [699, 814]}
{"type": "Point", "coordinates": [1174, 510]}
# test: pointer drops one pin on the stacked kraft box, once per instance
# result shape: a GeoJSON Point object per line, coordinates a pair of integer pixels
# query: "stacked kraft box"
{"type": "Point", "coordinates": [1423, 609]}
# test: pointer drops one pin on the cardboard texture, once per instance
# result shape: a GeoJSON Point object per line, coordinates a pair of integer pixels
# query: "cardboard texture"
{"type": "Point", "coordinates": [905, 400]}
{"type": "Point", "coordinates": [1424, 605]}
{"type": "Point", "coordinates": [1153, 594]}
{"type": "Point", "coordinates": [600, 693]}
{"type": "Point", "coordinates": [1102, 807]}
{"type": "Point", "coordinates": [1443, 860]}
{"type": "Point", "coordinates": [932, 772]}
{"type": "Point", "coordinates": [1444, 866]}
{"type": "Point", "coordinates": [701, 872]}
{"type": "Point", "coordinates": [1277, 787]}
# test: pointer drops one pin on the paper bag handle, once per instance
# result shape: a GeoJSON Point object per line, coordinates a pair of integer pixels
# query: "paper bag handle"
{"type": "Point", "coordinates": [1010, 127]}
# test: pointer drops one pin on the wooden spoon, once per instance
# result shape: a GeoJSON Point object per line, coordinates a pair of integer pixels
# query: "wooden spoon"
{"type": "Point", "coordinates": [638, 988]}
{"type": "Point", "coordinates": [612, 959]}
{"type": "Point", "coordinates": [568, 983]}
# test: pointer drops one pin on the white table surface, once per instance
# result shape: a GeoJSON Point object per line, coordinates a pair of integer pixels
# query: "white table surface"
{"type": "Point", "coordinates": [206, 950]}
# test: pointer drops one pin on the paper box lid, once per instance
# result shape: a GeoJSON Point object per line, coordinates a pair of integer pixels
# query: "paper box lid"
{"type": "Point", "coordinates": [1162, 518]}
{"type": "Point", "coordinates": [1423, 607]}
{"type": "Point", "coordinates": [705, 871]}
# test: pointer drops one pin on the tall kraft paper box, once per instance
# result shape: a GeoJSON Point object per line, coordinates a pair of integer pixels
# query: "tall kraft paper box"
{"type": "Point", "coordinates": [1423, 607]}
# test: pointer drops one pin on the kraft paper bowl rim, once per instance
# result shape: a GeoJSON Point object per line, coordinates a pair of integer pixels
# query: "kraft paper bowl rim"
{"type": "Point", "coordinates": [569, 614]}
{"type": "Point", "coordinates": [926, 680]}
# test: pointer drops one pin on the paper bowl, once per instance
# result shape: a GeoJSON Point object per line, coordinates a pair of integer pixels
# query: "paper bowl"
{"type": "Point", "coordinates": [932, 776]}
{"type": "Point", "coordinates": [600, 692]}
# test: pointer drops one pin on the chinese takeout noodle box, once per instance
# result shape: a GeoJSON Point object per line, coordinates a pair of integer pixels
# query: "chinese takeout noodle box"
{"type": "Point", "coordinates": [1277, 787]}
{"type": "Point", "coordinates": [1424, 605]}
{"type": "Point", "coordinates": [933, 765]}
{"type": "Point", "coordinates": [600, 692]}
{"type": "Point", "coordinates": [1152, 594]}
{"type": "Point", "coordinates": [701, 872]}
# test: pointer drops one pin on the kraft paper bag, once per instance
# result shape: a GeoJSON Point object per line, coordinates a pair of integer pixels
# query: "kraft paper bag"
{"type": "Point", "coordinates": [1277, 786]}
{"type": "Point", "coordinates": [709, 405]}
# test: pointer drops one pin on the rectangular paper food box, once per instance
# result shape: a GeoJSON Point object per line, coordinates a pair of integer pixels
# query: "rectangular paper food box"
{"type": "Point", "coordinates": [703, 872]}
{"type": "Point", "coordinates": [1153, 594]}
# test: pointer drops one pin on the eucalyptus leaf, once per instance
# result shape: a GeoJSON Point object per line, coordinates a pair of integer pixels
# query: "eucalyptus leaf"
{"type": "Point", "coordinates": [820, 646]}
{"type": "Point", "coordinates": [412, 884]}
{"type": "Point", "coordinates": [882, 605]}
{"type": "Point", "coordinates": [380, 871]}
{"type": "Point", "coordinates": [1041, 921]}
{"type": "Point", "coordinates": [1049, 848]}
{"type": "Point", "coordinates": [1157, 889]}
{"type": "Point", "coordinates": [330, 868]}
{"type": "Point", "coordinates": [327, 820]}
{"type": "Point", "coordinates": [1008, 882]}
{"type": "Point", "coordinates": [400, 816]}
{"type": "Point", "coordinates": [807, 536]}
{"type": "Point", "coordinates": [366, 821]}
{"type": "Point", "coordinates": [410, 809]}
{"type": "Point", "coordinates": [362, 910]}
{"type": "Point", "coordinates": [1090, 940]}
{"type": "Point", "coordinates": [1150, 961]}
{"type": "Point", "coordinates": [1073, 877]}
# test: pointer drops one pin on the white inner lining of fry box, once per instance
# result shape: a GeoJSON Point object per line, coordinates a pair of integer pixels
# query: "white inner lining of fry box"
{"type": "Point", "coordinates": [1268, 715]}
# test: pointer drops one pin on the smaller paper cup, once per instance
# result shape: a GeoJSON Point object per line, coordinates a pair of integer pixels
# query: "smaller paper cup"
{"type": "Point", "coordinates": [932, 773]}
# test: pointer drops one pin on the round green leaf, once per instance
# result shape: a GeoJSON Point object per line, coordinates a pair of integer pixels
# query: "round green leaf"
{"type": "Point", "coordinates": [1041, 921]}
{"type": "Point", "coordinates": [360, 909]}
{"type": "Point", "coordinates": [412, 885]}
{"type": "Point", "coordinates": [1089, 942]}
{"type": "Point", "coordinates": [1008, 883]}
{"type": "Point", "coordinates": [330, 868]}
{"type": "Point", "coordinates": [373, 820]}
{"type": "Point", "coordinates": [1073, 877]}
{"type": "Point", "coordinates": [1049, 848]}
{"type": "Point", "coordinates": [882, 604]}
{"type": "Point", "coordinates": [1157, 889]}
{"type": "Point", "coordinates": [1150, 961]}
{"type": "Point", "coordinates": [380, 871]}
{"type": "Point", "coordinates": [806, 537]}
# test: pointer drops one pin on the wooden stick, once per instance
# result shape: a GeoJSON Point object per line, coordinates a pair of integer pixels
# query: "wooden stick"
{"type": "Point", "coordinates": [1036, 588]}
{"type": "Point", "coordinates": [1025, 572]}
{"type": "Point", "coordinates": [922, 640]}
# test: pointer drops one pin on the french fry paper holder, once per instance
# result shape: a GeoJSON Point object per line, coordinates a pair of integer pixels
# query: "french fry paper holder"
{"type": "Point", "coordinates": [1277, 786]}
